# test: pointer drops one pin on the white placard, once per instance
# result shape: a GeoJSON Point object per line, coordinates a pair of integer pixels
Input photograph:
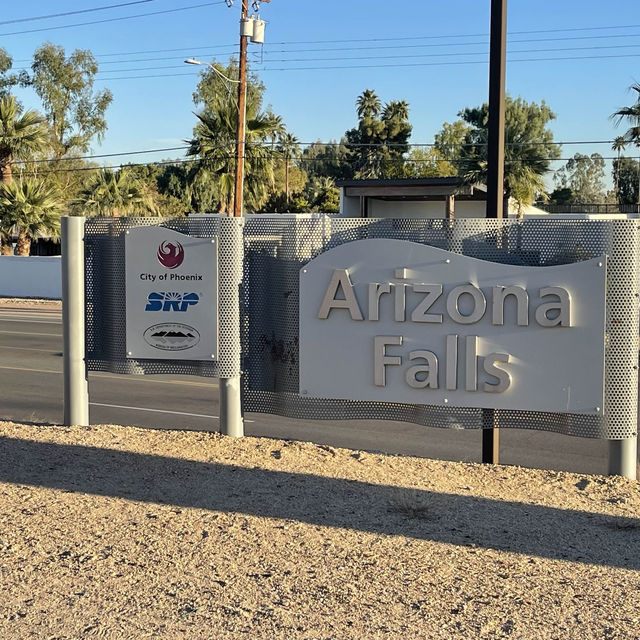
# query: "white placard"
{"type": "Point", "coordinates": [172, 295]}
{"type": "Point", "coordinates": [395, 321]}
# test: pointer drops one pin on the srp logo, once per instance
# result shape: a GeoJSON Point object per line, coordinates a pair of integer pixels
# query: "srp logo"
{"type": "Point", "coordinates": [170, 255]}
{"type": "Point", "coordinates": [168, 301]}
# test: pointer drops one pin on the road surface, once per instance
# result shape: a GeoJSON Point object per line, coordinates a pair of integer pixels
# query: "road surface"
{"type": "Point", "coordinates": [31, 383]}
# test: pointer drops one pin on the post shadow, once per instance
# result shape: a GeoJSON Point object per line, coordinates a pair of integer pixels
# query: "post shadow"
{"type": "Point", "coordinates": [515, 527]}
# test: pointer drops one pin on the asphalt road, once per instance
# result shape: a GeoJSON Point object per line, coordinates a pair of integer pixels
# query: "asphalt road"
{"type": "Point", "coordinates": [31, 383]}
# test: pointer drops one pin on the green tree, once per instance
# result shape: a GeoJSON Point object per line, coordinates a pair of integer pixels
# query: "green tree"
{"type": "Point", "coordinates": [428, 163]}
{"type": "Point", "coordinates": [30, 206]}
{"type": "Point", "coordinates": [529, 148]}
{"type": "Point", "coordinates": [378, 144]}
{"type": "Point", "coordinates": [8, 79]}
{"type": "Point", "coordinates": [323, 195]}
{"type": "Point", "coordinates": [214, 143]}
{"type": "Point", "coordinates": [21, 134]}
{"type": "Point", "coordinates": [216, 89]}
{"type": "Point", "coordinates": [173, 183]}
{"type": "Point", "coordinates": [561, 195]}
{"type": "Point", "coordinates": [115, 193]}
{"type": "Point", "coordinates": [584, 176]}
{"type": "Point", "coordinates": [449, 142]}
{"type": "Point", "coordinates": [626, 174]}
{"type": "Point", "coordinates": [289, 150]}
{"type": "Point", "coordinates": [75, 112]}
{"type": "Point", "coordinates": [630, 115]}
{"type": "Point", "coordinates": [619, 144]}
{"type": "Point", "coordinates": [329, 160]}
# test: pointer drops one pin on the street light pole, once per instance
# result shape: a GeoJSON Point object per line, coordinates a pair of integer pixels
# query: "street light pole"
{"type": "Point", "coordinates": [242, 109]}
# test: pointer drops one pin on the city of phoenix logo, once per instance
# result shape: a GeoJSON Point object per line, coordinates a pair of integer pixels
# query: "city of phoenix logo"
{"type": "Point", "coordinates": [170, 255]}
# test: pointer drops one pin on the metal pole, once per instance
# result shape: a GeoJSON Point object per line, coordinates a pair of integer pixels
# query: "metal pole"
{"type": "Point", "coordinates": [242, 109]}
{"type": "Point", "coordinates": [495, 139]}
{"type": "Point", "coordinates": [623, 458]}
{"type": "Point", "coordinates": [76, 393]}
{"type": "Point", "coordinates": [495, 172]}
{"type": "Point", "coordinates": [231, 423]}
{"type": "Point", "coordinates": [231, 249]}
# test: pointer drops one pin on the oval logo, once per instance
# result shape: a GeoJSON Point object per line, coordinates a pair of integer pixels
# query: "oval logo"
{"type": "Point", "coordinates": [170, 254]}
{"type": "Point", "coordinates": [171, 336]}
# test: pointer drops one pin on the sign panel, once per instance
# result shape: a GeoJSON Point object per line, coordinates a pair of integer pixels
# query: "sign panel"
{"type": "Point", "coordinates": [172, 295]}
{"type": "Point", "coordinates": [394, 321]}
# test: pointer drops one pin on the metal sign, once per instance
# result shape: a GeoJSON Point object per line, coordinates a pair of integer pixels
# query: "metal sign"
{"type": "Point", "coordinates": [395, 321]}
{"type": "Point", "coordinates": [172, 295]}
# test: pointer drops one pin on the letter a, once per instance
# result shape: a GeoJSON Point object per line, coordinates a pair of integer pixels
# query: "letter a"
{"type": "Point", "coordinates": [340, 278]}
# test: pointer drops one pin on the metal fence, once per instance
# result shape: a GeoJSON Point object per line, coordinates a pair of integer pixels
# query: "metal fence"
{"type": "Point", "coordinates": [277, 248]}
{"type": "Point", "coordinates": [271, 249]}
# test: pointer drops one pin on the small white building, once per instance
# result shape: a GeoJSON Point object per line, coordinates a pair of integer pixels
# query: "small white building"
{"type": "Point", "coordinates": [432, 198]}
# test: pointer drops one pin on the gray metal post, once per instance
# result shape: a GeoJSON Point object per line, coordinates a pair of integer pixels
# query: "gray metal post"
{"type": "Point", "coordinates": [623, 458]}
{"type": "Point", "coordinates": [231, 252]}
{"type": "Point", "coordinates": [76, 392]}
{"type": "Point", "coordinates": [231, 423]}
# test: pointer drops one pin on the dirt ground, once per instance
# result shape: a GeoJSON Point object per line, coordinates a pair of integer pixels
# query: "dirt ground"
{"type": "Point", "coordinates": [118, 532]}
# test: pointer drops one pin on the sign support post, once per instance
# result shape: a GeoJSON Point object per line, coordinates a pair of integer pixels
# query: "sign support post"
{"type": "Point", "coordinates": [495, 178]}
{"type": "Point", "coordinates": [623, 456]}
{"type": "Point", "coordinates": [76, 393]}
{"type": "Point", "coordinates": [231, 249]}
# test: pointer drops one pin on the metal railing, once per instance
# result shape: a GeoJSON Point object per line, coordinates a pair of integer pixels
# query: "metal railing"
{"type": "Point", "coordinates": [590, 208]}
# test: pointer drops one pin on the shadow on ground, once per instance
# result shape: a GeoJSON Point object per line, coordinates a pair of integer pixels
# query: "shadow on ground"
{"type": "Point", "coordinates": [456, 519]}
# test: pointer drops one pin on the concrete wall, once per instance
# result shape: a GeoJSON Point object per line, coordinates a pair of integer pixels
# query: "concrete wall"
{"type": "Point", "coordinates": [32, 277]}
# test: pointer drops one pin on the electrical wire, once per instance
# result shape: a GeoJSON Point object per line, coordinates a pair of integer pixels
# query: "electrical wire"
{"type": "Point", "coordinates": [268, 46]}
{"type": "Point", "coordinates": [301, 161]}
{"type": "Point", "coordinates": [314, 144]}
{"type": "Point", "coordinates": [371, 66]}
{"type": "Point", "coordinates": [73, 13]}
{"type": "Point", "coordinates": [413, 56]}
{"type": "Point", "coordinates": [138, 15]}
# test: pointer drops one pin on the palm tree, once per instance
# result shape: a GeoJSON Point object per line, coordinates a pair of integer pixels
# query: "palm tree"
{"type": "Point", "coordinates": [31, 207]}
{"type": "Point", "coordinates": [632, 116]}
{"type": "Point", "coordinates": [368, 104]}
{"type": "Point", "coordinates": [114, 193]}
{"type": "Point", "coordinates": [618, 145]}
{"type": "Point", "coordinates": [528, 150]}
{"type": "Point", "coordinates": [524, 165]}
{"type": "Point", "coordinates": [20, 134]}
{"type": "Point", "coordinates": [214, 144]}
{"type": "Point", "coordinates": [290, 150]}
{"type": "Point", "coordinates": [278, 127]}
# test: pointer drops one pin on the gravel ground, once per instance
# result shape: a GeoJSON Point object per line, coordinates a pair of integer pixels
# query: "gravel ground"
{"type": "Point", "coordinates": [118, 532]}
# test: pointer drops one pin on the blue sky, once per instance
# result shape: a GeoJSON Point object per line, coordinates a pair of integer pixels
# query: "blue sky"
{"type": "Point", "coordinates": [319, 56]}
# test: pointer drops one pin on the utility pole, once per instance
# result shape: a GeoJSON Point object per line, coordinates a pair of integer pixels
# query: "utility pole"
{"type": "Point", "coordinates": [242, 110]}
{"type": "Point", "coordinates": [495, 174]}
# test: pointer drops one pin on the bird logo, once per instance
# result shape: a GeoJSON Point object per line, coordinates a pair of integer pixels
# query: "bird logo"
{"type": "Point", "coordinates": [170, 254]}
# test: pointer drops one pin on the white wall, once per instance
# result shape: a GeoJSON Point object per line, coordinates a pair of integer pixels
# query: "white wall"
{"type": "Point", "coordinates": [429, 209]}
{"type": "Point", "coordinates": [30, 277]}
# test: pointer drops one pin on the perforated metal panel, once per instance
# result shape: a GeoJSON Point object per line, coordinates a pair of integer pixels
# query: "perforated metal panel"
{"type": "Point", "coordinates": [276, 247]}
{"type": "Point", "coordinates": [105, 295]}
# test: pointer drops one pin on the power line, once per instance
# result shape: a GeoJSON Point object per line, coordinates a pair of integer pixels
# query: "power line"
{"type": "Point", "coordinates": [464, 35]}
{"type": "Point", "coordinates": [312, 144]}
{"type": "Point", "coordinates": [73, 13]}
{"type": "Point", "coordinates": [102, 155]}
{"type": "Point", "coordinates": [268, 46]}
{"type": "Point", "coordinates": [393, 57]}
{"type": "Point", "coordinates": [301, 161]}
{"type": "Point", "coordinates": [413, 56]}
{"type": "Point", "coordinates": [138, 15]}
{"type": "Point", "coordinates": [371, 66]}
